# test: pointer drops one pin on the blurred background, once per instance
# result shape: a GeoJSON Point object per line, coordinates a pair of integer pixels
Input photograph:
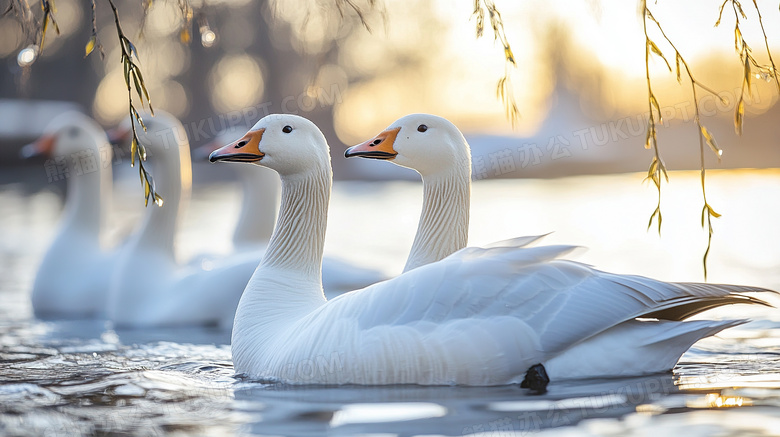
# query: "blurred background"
{"type": "Point", "coordinates": [579, 84]}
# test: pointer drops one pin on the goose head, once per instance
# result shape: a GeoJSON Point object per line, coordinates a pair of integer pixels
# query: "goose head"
{"type": "Point", "coordinates": [425, 143]}
{"type": "Point", "coordinates": [289, 144]}
{"type": "Point", "coordinates": [68, 134]}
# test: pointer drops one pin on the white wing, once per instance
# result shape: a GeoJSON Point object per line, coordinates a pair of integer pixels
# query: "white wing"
{"type": "Point", "coordinates": [481, 316]}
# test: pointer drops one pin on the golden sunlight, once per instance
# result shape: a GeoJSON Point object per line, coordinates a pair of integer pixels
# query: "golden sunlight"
{"type": "Point", "coordinates": [552, 42]}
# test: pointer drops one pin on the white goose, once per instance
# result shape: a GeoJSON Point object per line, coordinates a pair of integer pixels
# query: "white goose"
{"type": "Point", "coordinates": [481, 316]}
{"type": "Point", "coordinates": [150, 288]}
{"type": "Point", "coordinates": [437, 150]}
{"type": "Point", "coordinates": [260, 202]}
{"type": "Point", "coordinates": [73, 278]}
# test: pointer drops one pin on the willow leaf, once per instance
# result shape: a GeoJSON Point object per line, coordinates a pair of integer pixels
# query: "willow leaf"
{"type": "Point", "coordinates": [90, 46]}
{"type": "Point", "coordinates": [658, 52]}
{"type": "Point", "coordinates": [711, 141]}
{"type": "Point", "coordinates": [739, 116]}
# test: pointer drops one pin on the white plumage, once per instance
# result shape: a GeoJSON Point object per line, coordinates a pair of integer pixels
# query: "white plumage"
{"type": "Point", "coordinates": [481, 316]}
{"type": "Point", "coordinates": [150, 288]}
{"type": "Point", "coordinates": [74, 275]}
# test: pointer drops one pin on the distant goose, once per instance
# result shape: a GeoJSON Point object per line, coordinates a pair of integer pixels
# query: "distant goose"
{"type": "Point", "coordinates": [73, 278]}
{"type": "Point", "coordinates": [150, 288]}
{"type": "Point", "coordinates": [260, 197]}
{"type": "Point", "coordinates": [481, 316]}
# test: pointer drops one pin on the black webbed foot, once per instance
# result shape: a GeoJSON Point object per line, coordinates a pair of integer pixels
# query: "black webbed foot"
{"type": "Point", "coordinates": [536, 379]}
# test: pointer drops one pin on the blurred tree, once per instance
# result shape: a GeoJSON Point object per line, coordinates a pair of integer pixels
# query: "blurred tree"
{"type": "Point", "coordinates": [287, 56]}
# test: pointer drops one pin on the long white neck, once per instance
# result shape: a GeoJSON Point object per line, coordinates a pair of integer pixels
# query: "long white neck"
{"type": "Point", "coordinates": [89, 186]}
{"type": "Point", "coordinates": [260, 187]}
{"type": "Point", "coordinates": [444, 221]}
{"type": "Point", "coordinates": [173, 179]}
{"type": "Point", "coordinates": [299, 237]}
{"type": "Point", "coordinates": [287, 284]}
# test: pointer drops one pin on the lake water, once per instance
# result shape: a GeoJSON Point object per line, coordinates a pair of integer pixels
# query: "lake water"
{"type": "Point", "coordinates": [85, 378]}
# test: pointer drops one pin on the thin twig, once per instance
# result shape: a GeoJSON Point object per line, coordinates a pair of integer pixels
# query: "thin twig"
{"type": "Point", "coordinates": [93, 40]}
{"type": "Point", "coordinates": [47, 6]}
{"type": "Point", "coordinates": [766, 43]}
{"type": "Point", "coordinates": [131, 70]}
{"type": "Point", "coordinates": [504, 89]}
{"type": "Point", "coordinates": [747, 59]}
{"type": "Point", "coordinates": [657, 166]}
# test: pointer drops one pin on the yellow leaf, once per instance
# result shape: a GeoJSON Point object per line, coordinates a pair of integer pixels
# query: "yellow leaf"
{"type": "Point", "coordinates": [739, 116]}
{"type": "Point", "coordinates": [657, 51]}
{"type": "Point", "coordinates": [653, 167]}
{"type": "Point", "coordinates": [508, 54]}
{"type": "Point", "coordinates": [737, 39]}
{"type": "Point", "coordinates": [654, 102]}
{"type": "Point", "coordinates": [90, 46]}
{"type": "Point", "coordinates": [133, 149]}
{"type": "Point", "coordinates": [650, 139]}
{"type": "Point", "coordinates": [711, 141]}
{"type": "Point", "coordinates": [713, 213]}
{"type": "Point", "coordinates": [184, 35]}
{"type": "Point", "coordinates": [677, 65]}
{"type": "Point", "coordinates": [652, 216]}
{"type": "Point", "coordinates": [137, 85]}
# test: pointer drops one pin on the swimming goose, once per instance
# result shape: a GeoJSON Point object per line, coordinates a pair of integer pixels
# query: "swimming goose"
{"type": "Point", "coordinates": [150, 288]}
{"type": "Point", "coordinates": [481, 316]}
{"type": "Point", "coordinates": [445, 167]}
{"type": "Point", "coordinates": [74, 275]}
{"type": "Point", "coordinates": [260, 202]}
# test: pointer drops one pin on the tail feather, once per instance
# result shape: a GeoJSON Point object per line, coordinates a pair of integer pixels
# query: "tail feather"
{"type": "Point", "coordinates": [633, 348]}
{"type": "Point", "coordinates": [703, 297]}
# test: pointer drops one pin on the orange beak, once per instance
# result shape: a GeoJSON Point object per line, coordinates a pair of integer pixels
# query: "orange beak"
{"type": "Point", "coordinates": [43, 146]}
{"type": "Point", "coordinates": [379, 147]}
{"type": "Point", "coordinates": [247, 149]}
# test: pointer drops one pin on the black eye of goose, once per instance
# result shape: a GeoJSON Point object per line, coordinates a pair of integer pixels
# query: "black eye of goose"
{"type": "Point", "coordinates": [422, 128]}
{"type": "Point", "coordinates": [287, 129]}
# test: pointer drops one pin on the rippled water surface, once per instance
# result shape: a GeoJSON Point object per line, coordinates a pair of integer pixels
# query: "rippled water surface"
{"type": "Point", "coordinates": [71, 378]}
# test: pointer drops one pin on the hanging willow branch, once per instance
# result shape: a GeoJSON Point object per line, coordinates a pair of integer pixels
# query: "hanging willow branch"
{"type": "Point", "coordinates": [132, 72]}
{"type": "Point", "coordinates": [746, 58]}
{"type": "Point", "coordinates": [504, 89]}
{"type": "Point", "coordinates": [47, 6]}
{"type": "Point", "coordinates": [657, 166]}
{"type": "Point", "coordinates": [705, 137]}
{"type": "Point", "coordinates": [93, 40]}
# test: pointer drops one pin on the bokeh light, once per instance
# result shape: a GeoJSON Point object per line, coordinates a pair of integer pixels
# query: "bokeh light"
{"type": "Point", "coordinates": [207, 36]}
{"type": "Point", "coordinates": [236, 82]}
{"type": "Point", "coordinates": [27, 56]}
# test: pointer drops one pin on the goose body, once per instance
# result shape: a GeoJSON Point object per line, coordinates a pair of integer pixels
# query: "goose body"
{"type": "Point", "coordinates": [150, 288]}
{"type": "Point", "coordinates": [479, 316]}
{"type": "Point", "coordinates": [74, 276]}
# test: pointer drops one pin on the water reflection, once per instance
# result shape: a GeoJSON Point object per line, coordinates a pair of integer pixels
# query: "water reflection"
{"type": "Point", "coordinates": [83, 377]}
